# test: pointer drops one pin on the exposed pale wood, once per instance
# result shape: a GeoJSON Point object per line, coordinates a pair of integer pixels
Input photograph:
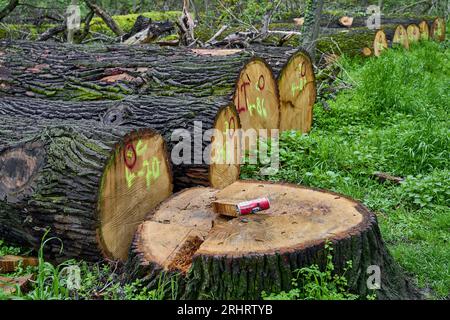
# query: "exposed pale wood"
{"type": "Point", "coordinates": [238, 258]}
{"type": "Point", "coordinates": [401, 37]}
{"type": "Point", "coordinates": [10, 263]}
{"type": "Point", "coordinates": [379, 43]}
{"type": "Point", "coordinates": [225, 149]}
{"type": "Point", "coordinates": [84, 181]}
{"type": "Point", "coordinates": [256, 98]}
{"type": "Point", "coordinates": [299, 21]}
{"type": "Point", "coordinates": [366, 52]}
{"type": "Point", "coordinates": [438, 30]}
{"type": "Point", "coordinates": [413, 32]}
{"type": "Point", "coordinates": [346, 21]}
{"type": "Point", "coordinates": [137, 179]}
{"type": "Point", "coordinates": [297, 87]}
{"type": "Point", "coordinates": [424, 30]}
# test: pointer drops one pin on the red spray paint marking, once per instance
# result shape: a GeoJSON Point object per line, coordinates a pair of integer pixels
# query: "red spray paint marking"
{"type": "Point", "coordinates": [129, 156]}
{"type": "Point", "coordinates": [243, 88]}
{"type": "Point", "coordinates": [261, 83]}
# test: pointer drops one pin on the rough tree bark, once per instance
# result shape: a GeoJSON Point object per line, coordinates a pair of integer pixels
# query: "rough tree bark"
{"type": "Point", "coordinates": [72, 177]}
{"type": "Point", "coordinates": [8, 9]}
{"type": "Point", "coordinates": [238, 258]}
{"type": "Point", "coordinates": [164, 114]}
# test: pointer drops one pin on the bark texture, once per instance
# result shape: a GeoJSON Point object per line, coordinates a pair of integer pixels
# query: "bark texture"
{"type": "Point", "coordinates": [73, 72]}
{"type": "Point", "coordinates": [50, 177]}
{"type": "Point", "coordinates": [164, 114]}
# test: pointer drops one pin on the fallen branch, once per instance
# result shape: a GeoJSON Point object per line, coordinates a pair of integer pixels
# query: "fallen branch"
{"type": "Point", "coordinates": [105, 17]}
{"type": "Point", "coordinates": [218, 33]}
{"type": "Point", "coordinates": [383, 177]}
{"type": "Point", "coordinates": [53, 31]}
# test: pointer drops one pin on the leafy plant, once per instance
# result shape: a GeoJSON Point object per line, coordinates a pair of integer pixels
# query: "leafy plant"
{"type": "Point", "coordinates": [311, 283]}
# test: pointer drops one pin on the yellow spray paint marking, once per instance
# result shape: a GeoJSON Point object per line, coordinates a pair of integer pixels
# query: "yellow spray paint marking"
{"type": "Point", "coordinates": [258, 106]}
{"type": "Point", "coordinates": [301, 85]}
{"type": "Point", "coordinates": [148, 170]}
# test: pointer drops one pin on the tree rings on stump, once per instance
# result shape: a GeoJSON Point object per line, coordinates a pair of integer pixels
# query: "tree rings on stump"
{"type": "Point", "coordinates": [238, 258]}
{"type": "Point", "coordinates": [413, 33]}
{"type": "Point", "coordinates": [379, 43]}
{"type": "Point", "coordinates": [424, 30]}
{"type": "Point", "coordinates": [438, 29]}
{"type": "Point", "coordinates": [401, 37]}
{"type": "Point", "coordinates": [136, 180]}
{"type": "Point", "coordinates": [297, 86]}
{"type": "Point", "coordinates": [225, 149]}
{"type": "Point", "coordinates": [256, 97]}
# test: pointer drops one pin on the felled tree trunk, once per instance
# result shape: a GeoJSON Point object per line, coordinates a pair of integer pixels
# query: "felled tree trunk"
{"type": "Point", "coordinates": [79, 73]}
{"type": "Point", "coordinates": [238, 258]}
{"type": "Point", "coordinates": [166, 115]}
{"type": "Point", "coordinates": [91, 185]}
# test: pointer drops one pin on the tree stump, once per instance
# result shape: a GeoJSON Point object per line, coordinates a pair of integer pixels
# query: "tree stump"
{"type": "Point", "coordinates": [165, 115]}
{"type": "Point", "coordinates": [401, 37]}
{"type": "Point", "coordinates": [424, 31]}
{"type": "Point", "coordinates": [438, 30]}
{"type": "Point", "coordinates": [238, 258]}
{"type": "Point", "coordinates": [91, 185]}
{"type": "Point", "coordinates": [297, 86]}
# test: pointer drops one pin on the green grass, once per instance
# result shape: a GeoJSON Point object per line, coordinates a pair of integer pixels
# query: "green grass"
{"type": "Point", "coordinates": [394, 120]}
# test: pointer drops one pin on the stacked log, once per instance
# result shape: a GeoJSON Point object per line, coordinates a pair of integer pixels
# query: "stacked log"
{"type": "Point", "coordinates": [238, 258]}
{"type": "Point", "coordinates": [162, 114]}
{"type": "Point", "coordinates": [91, 185]}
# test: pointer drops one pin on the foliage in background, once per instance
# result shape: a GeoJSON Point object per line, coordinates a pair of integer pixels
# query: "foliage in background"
{"type": "Point", "coordinates": [393, 120]}
{"type": "Point", "coordinates": [312, 283]}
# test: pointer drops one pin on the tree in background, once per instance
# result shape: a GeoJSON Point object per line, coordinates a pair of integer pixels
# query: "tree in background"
{"type": "Point", "coordinates": [311, 26]}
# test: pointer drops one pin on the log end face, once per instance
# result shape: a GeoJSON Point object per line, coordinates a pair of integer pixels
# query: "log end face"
{"type": "Point", "coordinates": [297, 87]}
{"type": "Point", "coordinates": [137, 178]}
{"type": "Point", "coordinates": [256, 97]}
{"type": "Point", "coordinates": [380, 43]}
{"type": "Point", "coordinates": [225, 150]}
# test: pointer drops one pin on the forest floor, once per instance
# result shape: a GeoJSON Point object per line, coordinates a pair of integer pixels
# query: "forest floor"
{"type": "Point", "coordinates": [393, 118]}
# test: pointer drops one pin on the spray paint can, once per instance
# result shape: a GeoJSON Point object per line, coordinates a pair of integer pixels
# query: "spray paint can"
{"type": "Point", "coordinates": [252, 206]}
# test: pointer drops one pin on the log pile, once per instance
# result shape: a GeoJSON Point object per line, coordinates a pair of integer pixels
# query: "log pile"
{"type": "Point", "coordinates": [238, 258]}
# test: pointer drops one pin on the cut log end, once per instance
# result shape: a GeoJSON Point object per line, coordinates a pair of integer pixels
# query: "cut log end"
{"type": "Point", "coordinates": [256, 96]}
{"type": "Point", "coordinates": [346, 21]}
{"type": "Point", "coordinates": [413, 32]}
{"type": "Point", "coordinates": [238, 258]}
{"type": "Point", "coordinates": [438, 30]}
{"type": "Point", "coordinates": [424, 30]}
{"type": "Point", "coordinates": [380, 43]}
{"type": "Point", "coordinates": [297, 87]}
{"type": "Point", "coordinates": [401, 37]}
{"type": "Point", "coordinates": [137, 178]}
{"type": "Point", "coordinates": [366, 52]}
{"type": "Point", "coordinates": [226, 149]}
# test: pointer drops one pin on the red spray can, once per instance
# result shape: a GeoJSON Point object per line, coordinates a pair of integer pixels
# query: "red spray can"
{"type": "Point", "coordinates": [253, 206]}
